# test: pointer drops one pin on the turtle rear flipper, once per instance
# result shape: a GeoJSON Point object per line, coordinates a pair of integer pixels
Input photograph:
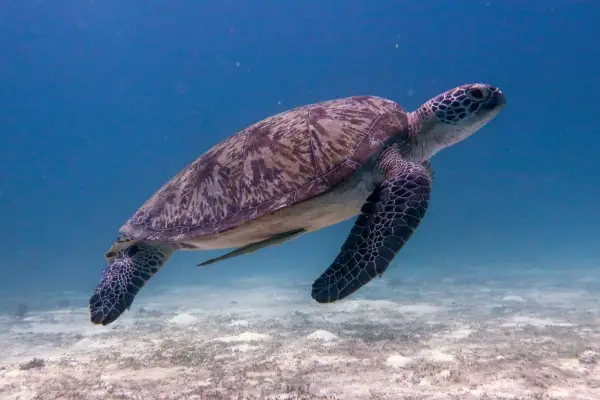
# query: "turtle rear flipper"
{"type": "Point", "coordinates": [388, 219]}
{"type": "Point", "coordinates": [126, 274]}
{"type": "Point", "coordinates": [277, 239]}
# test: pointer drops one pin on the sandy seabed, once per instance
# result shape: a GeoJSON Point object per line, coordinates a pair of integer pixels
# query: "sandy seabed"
{"type": "Point", "coordinates": [527, 335]}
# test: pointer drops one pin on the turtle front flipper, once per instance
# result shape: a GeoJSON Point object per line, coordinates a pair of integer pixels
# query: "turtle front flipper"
{"type": "Point", "coordinates": [388, 219]}
{"type": "Point", "coordinates": [122, 242]}
{"type": "Point", "coordinates": [127, 272]}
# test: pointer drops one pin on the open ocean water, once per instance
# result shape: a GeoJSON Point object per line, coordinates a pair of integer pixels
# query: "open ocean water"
{"type": "Point", "coordinates": [495, 296]}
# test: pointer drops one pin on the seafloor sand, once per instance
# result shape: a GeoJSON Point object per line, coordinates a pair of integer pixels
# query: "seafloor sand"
{"type": "Point", "coordinates": [524, 335]}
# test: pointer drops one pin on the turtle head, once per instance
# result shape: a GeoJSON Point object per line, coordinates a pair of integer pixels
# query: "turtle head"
{"type": "Point", "coordinates": [455, 115]}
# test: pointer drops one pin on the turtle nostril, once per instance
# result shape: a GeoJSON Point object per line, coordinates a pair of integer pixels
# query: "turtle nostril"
{"type": "Point", "coordinates": [500, 99]}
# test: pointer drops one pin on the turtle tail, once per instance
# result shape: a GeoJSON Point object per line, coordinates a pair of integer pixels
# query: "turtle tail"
{"type": "Point", "coordinates": [127, 272]}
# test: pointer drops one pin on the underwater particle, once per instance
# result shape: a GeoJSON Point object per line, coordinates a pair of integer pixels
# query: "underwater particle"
{"type": "Point", "coordinates": [237, 64]}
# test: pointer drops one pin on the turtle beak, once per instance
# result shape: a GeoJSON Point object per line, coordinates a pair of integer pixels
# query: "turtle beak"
{"type": "Point", "coordinates": [496, 100]}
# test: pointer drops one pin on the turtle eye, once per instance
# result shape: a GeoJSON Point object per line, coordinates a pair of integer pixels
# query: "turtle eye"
{"type": "Point", "coordinates": [478, 93]}
{"type": "Point", "coordinates": [133, 250]}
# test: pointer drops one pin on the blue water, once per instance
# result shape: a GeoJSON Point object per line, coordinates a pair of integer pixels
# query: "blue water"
{"type": "Point", "coordinates": [101, 102]}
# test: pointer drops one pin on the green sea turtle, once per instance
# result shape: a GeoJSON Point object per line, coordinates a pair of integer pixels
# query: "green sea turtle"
{"type": "Point", "coordinates": [297, 172]}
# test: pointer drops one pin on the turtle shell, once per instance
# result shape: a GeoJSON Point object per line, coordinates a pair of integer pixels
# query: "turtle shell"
{"type": "Point", "coordinates": [279, 161]}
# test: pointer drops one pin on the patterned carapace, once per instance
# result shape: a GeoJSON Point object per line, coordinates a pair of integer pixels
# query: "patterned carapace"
{"type": "Point", "coordinates": [277, 162]}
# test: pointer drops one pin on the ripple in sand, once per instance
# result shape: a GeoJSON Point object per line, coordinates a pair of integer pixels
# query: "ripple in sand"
{"type": "Point", "coordinates": [240, 322]}
{"type": "Point", "coordinates": [398, 361]}
{"type": "Point", "coordinates": [513, 298]}
{"type": "Point", "coordinates": [321, 335]}
{"type": "Point", "coordinates": [419, 309]}
{"type": "Point", "coordinates": [243, 337]}
{"type": "Point", "coordinates": [536, 322]}
{"type": "Point", "coordinates": [183, 319]}
{"type": "Point", "coordinates": [437, 357]}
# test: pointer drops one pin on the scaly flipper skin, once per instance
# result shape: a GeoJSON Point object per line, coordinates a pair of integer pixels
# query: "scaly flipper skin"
{"type": "Point", "coordinates": [387, 220]}
{"type": "Point", "coordinates": [126, 274]}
